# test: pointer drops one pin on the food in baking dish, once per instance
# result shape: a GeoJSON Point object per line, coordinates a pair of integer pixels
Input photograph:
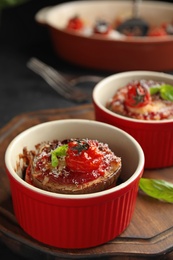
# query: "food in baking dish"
{"type": "Point", "coordinates": [112, 29]}
{"type": "Point", "coordinates": [73, 166]}
{"type": "Point", "coordinates": [143, 99]}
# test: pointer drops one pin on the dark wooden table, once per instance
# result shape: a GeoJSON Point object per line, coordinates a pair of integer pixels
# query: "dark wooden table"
{"type": "Point", "coordinates": [149, 235]}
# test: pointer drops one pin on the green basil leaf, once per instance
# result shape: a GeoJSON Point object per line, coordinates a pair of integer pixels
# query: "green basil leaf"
{"type": "Point", "coordinates": [58, 152]}
{"type": "Point", "coordinates": [61, 150]}
{"type": "Point", "coordinates": [166, 92]}
{"type": "Point", "coordinates": [54, 160]}
{"type": "Point", "coordinates": [5, 3]}
{"type": "Point", "coordinates": [158, 189]}
{"type": "Point", "coordinates": [154, 90]}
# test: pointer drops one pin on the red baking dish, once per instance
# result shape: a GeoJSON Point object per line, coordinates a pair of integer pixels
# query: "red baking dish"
{"type": "Point", "coordinates": [106, 53]}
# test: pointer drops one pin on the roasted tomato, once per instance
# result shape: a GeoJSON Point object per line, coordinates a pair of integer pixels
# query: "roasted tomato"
{"type": "Point", "coordinates": [75, 23]}
{"type": "Point", "coordinates": [137, 95]}
{"type": "Point", "coordinates": [157, 31]}
{"type": "Point", "coordinates": [83, 156]}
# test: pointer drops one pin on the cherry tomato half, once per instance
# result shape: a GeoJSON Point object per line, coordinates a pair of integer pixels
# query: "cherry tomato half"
{"type": "Point", "coordinates": [137, 95]}
{"type": "Point", "coordinates": [158, 31]}
{"type": "Point", "coordinates": [75, 23]}
{"type": "Point", "coordinates": [83, 156]}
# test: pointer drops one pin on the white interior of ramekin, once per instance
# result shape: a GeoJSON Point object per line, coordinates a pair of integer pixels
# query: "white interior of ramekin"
{"type": "Point", "coordinates": [106, 88]}
{"type": "Point", "coordinates": [59, 15]}
{"type": "Point", "coordinates": [120, 142]}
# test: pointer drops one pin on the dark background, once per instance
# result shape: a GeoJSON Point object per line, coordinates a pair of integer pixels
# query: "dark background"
{"type": "Point", "coordinates": [21, 38]}
{"type": "Point", "coordinates": [21, 90]}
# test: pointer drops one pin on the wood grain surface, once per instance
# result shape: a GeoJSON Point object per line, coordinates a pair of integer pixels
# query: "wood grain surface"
{"type": "Point", "coordinates": [149, 235]}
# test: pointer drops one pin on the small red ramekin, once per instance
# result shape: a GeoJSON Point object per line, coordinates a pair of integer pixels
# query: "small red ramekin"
{"type": "Point", "coordinates": [75, 221]}
{"type": "Point", "coordinates": [155, 137]}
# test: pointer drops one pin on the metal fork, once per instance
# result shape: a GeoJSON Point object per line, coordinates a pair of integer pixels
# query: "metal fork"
{"type": "Point", "coordinates": [62, 86]}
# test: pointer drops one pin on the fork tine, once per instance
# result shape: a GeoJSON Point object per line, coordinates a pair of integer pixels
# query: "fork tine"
{"type": "Point", "coordinates": [58, 89]}
{"type": "Point", "coordinates": [50, 71]}
{"type": "Point", "coordinates": [57, 81]}
{"type": "Point", "coordinates": [66, 85]}
{"type": "Point", "coordinates": [46, 76]}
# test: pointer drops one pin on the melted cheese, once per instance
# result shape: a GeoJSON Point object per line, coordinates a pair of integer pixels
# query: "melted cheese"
{"type": "Point", "coordinates": [151, 107]}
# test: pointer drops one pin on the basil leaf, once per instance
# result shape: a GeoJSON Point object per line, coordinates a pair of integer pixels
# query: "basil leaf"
{"type": "Point", "coordinates": [58, 152]}
{"type": "Point", "coordinates": [154, 90]}
{"type": "Point", "coordinates": [61, 150]}
{"type": "Point", "coordinates": [54, 160]}
{"type": "Point", "coordinates": [166, 92]}
{"type": "Point", "coordinates": [5, 3]}
{"type": "Point", "coordinates": [158, 189]}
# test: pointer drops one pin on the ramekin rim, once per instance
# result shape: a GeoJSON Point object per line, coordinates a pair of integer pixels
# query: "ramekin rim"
{"type": "Point", "coordinates": [135, 175]}
{"type": "Point", "coordinates": [117, 75]}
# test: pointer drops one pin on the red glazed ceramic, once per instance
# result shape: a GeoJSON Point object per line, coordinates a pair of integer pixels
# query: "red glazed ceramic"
{"type": "Point", "coordinates": [155, 137]}
{"type": "Point", "coordinates": [105, 53]}
{"type": "Point", "coordinates": [75, 221]}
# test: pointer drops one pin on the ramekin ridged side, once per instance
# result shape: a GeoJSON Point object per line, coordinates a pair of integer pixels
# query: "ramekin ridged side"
{"type": "Point", "coordinates": [155, 138]}
{"type": "Point", "coordinates": [74, 223]}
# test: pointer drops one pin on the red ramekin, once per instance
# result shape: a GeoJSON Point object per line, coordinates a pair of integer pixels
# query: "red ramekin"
{"type": "Point", "coordinates": [75, 221]}
{"type": "Point", "coordinates": [155, 137]}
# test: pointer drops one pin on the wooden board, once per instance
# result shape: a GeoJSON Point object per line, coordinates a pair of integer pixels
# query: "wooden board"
{"type": "Point", "coordinates": [149, 234]}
